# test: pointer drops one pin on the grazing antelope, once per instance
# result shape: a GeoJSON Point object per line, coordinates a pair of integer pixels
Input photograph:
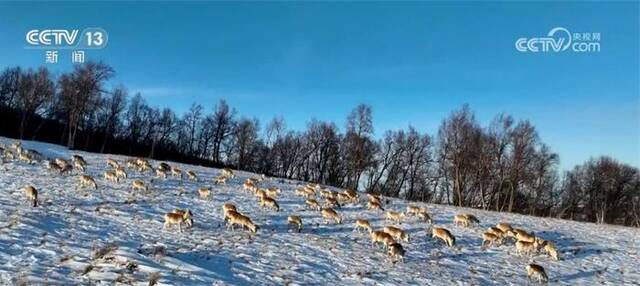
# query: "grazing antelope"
{"type": "Point", "coordinates": [121, 172]}
{"type": "Point", "coordinates": [24, 157]}
{"type": "Point", "coordinates": [176, 218]}
{"type": "Point", "coordinates": [161, 173]}
{"type": "Point", "coordinates": [111, 176]}
{"type": "Point", "coordinates": [330, 213]}
{"type": "Point", "coordinates": [342, 197]}
{"type": "Point", "coordinates": [504, 227]}
{"type": "Point", "coordinates": [312, 204]}
{"type": "Point", "coordinates": [526, 247]}
{"type": "Point", "coordinates": [220, 180]}
{"type": "Point", "coordinates": [131, 163]}
{"type": "Point", "coordinates": [551, 250]}
{"type": "Point", "coordinates": [460, 219]}
{"type": "Point", "coordinates": [226, 208]}
{"type": "Point", "coordinates": [144, 166]}
{"type": "Point", "coordinates": [472, 219]}
{"type": "Point", "coordinates": [205, 193]}
{"type": "Point", "coordinates": [424, 215]}
{"type": "Point", "coordinates": [51, 165]}
{"type": "Point", "coordinates": [374, 206]}
{"type": "Point", "coordinates": [273, 192]}
{"type": "Point", "coordinates": [353, 195]}
{"type": "Point", "coordinates": [192, 175]}
{"type": "Point", "coordinates": [226, 172]}
{"type": "Point", "coordinates": [140, 185]}
{"type": "Point", "coordinates": [535, 271]}
{"type": "Point", "coordinates": [495, 231]}
{"type": "Point", "coordinates": [396, 251]}
{"type": "Point", "coordinates": [394, 216]}
{"type": "Point", "coordinates": [88, 181]}
{"type": "Point", "coordinates": [381, 236]}
{"type": "Point", "coordinates": [374, 198]}
{"type": "Point", "coordinates": [396, 233]}
{"type": "Point", "coordinates": [444, 235]}
{"type": "Point", "coordinates": [32, 194]}
{"type": "Point", "coordinates": [188, 221]}
{"type": "Point", "coordinates": [413, 210]}
{"type": "Point", "coordinates": [66, 169]}
{"type": "Point", "coordinates": [164, 166]}
{"type": "Point", "coordinates": [269, 202]}
{"type": "Point", "coordinates": [79, 164]}
{"type": "Point", "coordinates": [489, 238]}
{"type": "Point", "coordinates": [249, 186]}
{"type": "Point", "coordinates": [176, 172]}
{"type": "Point", "coordinates": [331, 202]}
{"type": "Point", "coordinates": [260, 193]}
{"type": "Point", "coordinates": [61, 162]}
{"type": "Point", "coordinates": [295, 220]}
{"type": "Point", "coordinates": [522, 235]}
{"type": "Point", "coordinates": [363, 224]}
{"type": "Point", "coordinates": [113, 163]}
{"type": "Point", "coordinates": [326, 193]}
{"type": "Point", "coordinates": [235, 218]}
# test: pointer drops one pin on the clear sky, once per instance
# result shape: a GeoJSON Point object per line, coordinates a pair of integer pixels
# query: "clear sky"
{"type": "Point", "coordinates": [413, 62]}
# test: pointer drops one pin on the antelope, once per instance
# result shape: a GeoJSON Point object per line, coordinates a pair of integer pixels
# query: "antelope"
{"type": "Point", "coordinates": [313, 186]}
{"type": "Point", "coordinates": [396, 233]}
{"type": "Point", "coordinates": [413, 210]}
{"type": "Point", "coordinates": [24, 157]}
{"type": "Point", "coordinates": [252, 180]}
{"type": "Point", "coordinates": [273, 192]}
{"type": "Point", "coordinates": [424, 215]}
{"type": "Point", "coordinates": [226, 172]}
{"type": "Point", "coordinates": [381, 236]}
{"type": "Point", "coordinates": [374, 198]}
{"type": "Point", "coordinates": [394, 216]}
{"type": "Point", "coordinates": [161, 173]}
{"type": "Point", "coordinates": [8, 154]}
{"type": "Point", "coordinates": [204, 193]}
{"type": "Point", "coordinates": [495, 231]}
{"type": "Point", "coordinates": [374, 206]}
{"type": "Point", "coordinates": [472, 219]}
{"type": "Point", "coordinates": [522, 235]}
{"type": "Point", "coordinates": [444, 235]}
{"type": "Point", "coordinates": [235, 218]}
{"type": "Point", "coordinates": [295, 220]}
{"type": "Point", "coordinates": [460, 219]}
{"type": "Point", "coordinates": [525, 247]}
{"type": "Point", "coordinates": [66, 169]}
{"type": "Point", "coordinates": [535, 271]}
{"type": "Point", "coordinates": [329, 213]}
{"type": "Point", "coordinates": [551, 250]}
{"type": "Point", "coordinates": [51, 165]}
{"type": "Point", "coordinates": [342, 197]}
{"type": "Point", "coordinates": [176, 218]}
{"type": "Point", "coordinates": [331, 202]}
{"type": "Point", "coordinates": [113, 163]}
{"type": "Point", "coordinates": [363, 224]}
{"type": "Point", "coordinates": [192, 175]}
{"type": "Point", "coordinates": [309, 192]}
{"type": "Point", "coordinates": [176, 172]}
{"type": "Point", "coordinates": [248, 186]}
{"type": "Point", "coordinates": [88, 181]}
{"type": "Point", "coordinates": [298, 192]}
{"type": "Point", "coordinates": [61, 162]}
{"type": "Point", "coordinates": [396, 251]}
{"type": "Point", "coordinates": [504, 227]}
{"type": "Point", "coordinates": [353, 195]}
{"type": "Point", "coordinates": [188, 221]}
{"type": "Point", "coordinates": [226, 208]}
{"type": "Point", "coordinates": [144, 166]}
{"type": "Point", "coordinates": [79, 164]}
{"type": "Point", "coordinates": [313, 204]}
{"type": "Point", "coordinates": [164, 166]}
{"type": "Point", "coordinates": [131, 163]}
{"type": "Point", "coordinates": [260, 193]}
{"type": "Point", "coordinates": [326, 193]}
{"type": "Point", "coordinates": [121, 173]}
{"type": "Point", "coordinates": [111, 176]}
{"type": "Point", "coordinates": [488, 238]}
{"type": "Point", "coordinates": [269, 202]}
{"type": "Point", "coordinates": [32, 194]}
{"type": "Point", "coordinates": [220, 180]}
{"type": "Point", "coordinates": [140, 185]}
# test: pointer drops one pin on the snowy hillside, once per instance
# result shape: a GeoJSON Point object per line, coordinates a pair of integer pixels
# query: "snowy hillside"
{"type": "Point", "coordinates": [86, 236]}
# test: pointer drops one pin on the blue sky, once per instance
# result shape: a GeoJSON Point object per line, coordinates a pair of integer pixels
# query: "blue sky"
{"type": "Point", "coordinates": [413, 62]}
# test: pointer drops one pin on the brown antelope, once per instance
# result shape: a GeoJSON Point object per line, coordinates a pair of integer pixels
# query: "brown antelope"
{"type": "Point", "coordinates": [121, 173]}
{"type": "Point", "coordinates": [550, 249]}
{"type": "Point", "coordinates": [504, 227]}
{"type": "Point", "coordinates": [444, 235]}
{"type": "Point", "coordinates": [397, 233]}
{"type": "Point", "coordinates": [269, 202]}
{"type": "Point", "coordinates": [363, 224]}
{"type": "Point", "coordinates": [192, 175]}
{"type": "Point", "coordinates": [295, 220]}
{"type": "Point", "coordinates": [312, 204]}
{"type": "Point", "coordinates": [140, 185]}
{"type": "Point", "coordinates": [460, 219]}
{"type": "Point", "coordinates": [220, 180]}
{"type": "Point", "coordinates": [522, 235]}
{"type": "Point", "coordinates": [331, 202]}
{"type": "Point", "coordinates": [309, 192]}
{"type": "Point", "coordinates": [32, 194]}
{"type": "Point", "coordinates": [489, 238]}
{"type": "Point", "coordinates": [394, 216]}
{"type": "Point", "coordinates": [176, 218]}
{"type": "Point", "coordinates": [342, 197]}
{"type": "Point", "coordinates": [260, 193]}
{"type": "Point", "coordinates": [330, 213]}
{"type": "Point", "coordinates": [413, 210]}
{"type": "Point", "coordinates": [353, 195]}
{"type": "Point", "coordinates": [88, 181]}
{"type": "Point", "coordinates": [111, 176]}
{"type": "Point", "coordinates": [161, 173]}
{"type": "Point", "coordinates": [131, 163]}
{"type": "Point", "coordinates": [204, 193]}
{"type": "Point", "coordinates": [165, 167]}
{"type": "Point", "coordinates": [248, 186]}
{"type": "Point", "coordinates": [61, 162]}
{"type": "Point", "coordinates": [66, 169]}
{"type": "Point", "coordinates": [226, 208]}
{"type": "Point", "coordinates": [113, 163]}
{"type": "Point", "coordinates": [273, 192]}
{"type": "Point", "coordinates": [189, 221]}
{"type": "Point", "coordinates": [381, 236]}
{"type": "Point", "coordinates": [176, 172]}
{"type": "Point", "coordinates": [326, 193]}
{"type": "Point", "coordinates": [396, 251]}
{"type": "Point", "coordinates": [472, 219]}
{"type": "Point", "coordinates": [424, 215]}
{"type": "Point", "coordinates": [51, 165]}
{"type": "Point", "coordinates": [535, 271]}
{"type": "Point", "coordinates": [24, 157]}
{"type": "Point", "coordinates": [495, 231]}
{"type": "Point", "coordinates": [299, 192]}
{"type": "Point", "coordinates": [374, 206]}
{"type": "Point", "coordinates": [226, 172]}
{"type": "Point", "coordinates": [526, 247]}
{"type": "Point", "coordinates": [79, 164]}
{"type": "Point", "coordinates": [235, 218]}
{"type": "Point", "coordinates": [374, 198]}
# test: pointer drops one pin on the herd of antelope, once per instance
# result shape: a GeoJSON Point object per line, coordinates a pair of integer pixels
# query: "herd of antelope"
{"type": "Point", "coordinates": [322, 200]}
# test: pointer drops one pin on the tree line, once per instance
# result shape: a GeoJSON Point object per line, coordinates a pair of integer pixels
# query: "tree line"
{"type": "Point", "coordinates": [503, 166]}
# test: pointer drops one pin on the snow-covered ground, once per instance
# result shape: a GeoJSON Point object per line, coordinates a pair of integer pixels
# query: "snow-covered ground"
{"type": "Point", "coordinates": [84, 236]}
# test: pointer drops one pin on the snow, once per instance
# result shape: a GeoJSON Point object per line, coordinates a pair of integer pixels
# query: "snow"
{"type": "Point", "coordinates": [86, 236]}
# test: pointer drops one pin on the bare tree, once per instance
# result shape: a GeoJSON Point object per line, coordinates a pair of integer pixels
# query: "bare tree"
{"type": "Point", "coordinates": [35, 89]}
